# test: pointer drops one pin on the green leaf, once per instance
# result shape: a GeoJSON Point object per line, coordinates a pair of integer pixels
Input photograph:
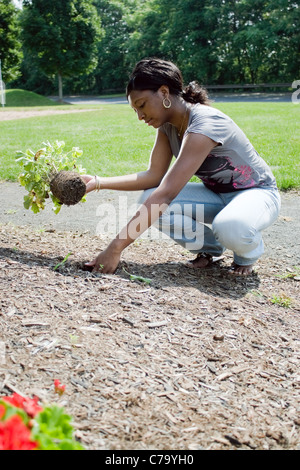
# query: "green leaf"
{"type": "Point", "coordinates": [29, 166]}
{"type": "Point", "coordinates": [35, 208]}
{"type": "Point", "coordinates": [27, 202]}
{"type": "Point", "coordinates": [54, 431]}
{"type": "Point", "coordinates": [11, 410]}
{"type": "Point", "coordinates": [62, 262]}
{"type": "Point", "coordinates": [38, 168]}
{"type": "Point", "coordinates": [138, 278]}
{"type": "Point", "coordinates": [56, 210]}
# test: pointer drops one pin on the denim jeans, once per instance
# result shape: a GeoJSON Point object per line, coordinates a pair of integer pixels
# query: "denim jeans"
{"type": "Point", "coordinates": [205, 222]}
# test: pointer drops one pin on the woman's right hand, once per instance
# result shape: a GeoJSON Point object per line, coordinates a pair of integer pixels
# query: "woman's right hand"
{"type": "Point", "coordinates": [106, 262]}
{"type": "Point", "coordinates": [90, 182]}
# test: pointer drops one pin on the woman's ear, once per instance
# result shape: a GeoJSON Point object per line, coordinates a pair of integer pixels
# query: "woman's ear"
{"type": "Point", "coordinates": [164, 90]}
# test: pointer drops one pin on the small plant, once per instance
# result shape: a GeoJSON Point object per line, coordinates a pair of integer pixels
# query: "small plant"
{"type": "Point", "coordinates": [51, 173]}
{"type": "Point", "coordinates": [25, 425]}
{"type": "Point", "coordinates": [62, 262]}
{"type": "Point", "coordinates": [74, 339]}
{"type": "Point", "coordinates": [59, 388]}
{"type": "Point", "coordinates": [282, 300]}
{"type": "Point", "coordinates": [292, 274]}
{"type": "Point", "coordinates": [138, 278]}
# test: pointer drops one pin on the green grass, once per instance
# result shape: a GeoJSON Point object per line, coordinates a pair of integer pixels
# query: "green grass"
{"type": "Point", "coordinates": [274, 130]}
{"type": "Point", "coordinates": [114, 142]}
{"type": "Point", "coordinates": [112, 139]}
{"type": "Point", "coordinates": [21, 98]}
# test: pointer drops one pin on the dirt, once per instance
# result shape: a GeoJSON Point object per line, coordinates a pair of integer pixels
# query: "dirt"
{"type": "Point", "coordinates": [68, 187]}
{"type": "Point", "coordinates": [8, 115]}
{"type": "Point", "coordinates": [188, 360]}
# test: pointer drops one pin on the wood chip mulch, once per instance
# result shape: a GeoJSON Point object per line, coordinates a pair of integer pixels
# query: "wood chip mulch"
{"type": "Point", "coordinates": [191, 360]}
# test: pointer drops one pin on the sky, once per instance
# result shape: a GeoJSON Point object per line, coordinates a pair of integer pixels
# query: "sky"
{"type": "Point", "coordinates": [18, 3]}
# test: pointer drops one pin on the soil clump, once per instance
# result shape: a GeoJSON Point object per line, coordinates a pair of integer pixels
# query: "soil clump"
{"type": "Point", "coordinates": [68, 187]}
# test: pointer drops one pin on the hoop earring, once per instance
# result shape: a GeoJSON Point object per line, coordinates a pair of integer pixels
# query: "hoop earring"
{"type": "Point", "coordinates": [167, 103]}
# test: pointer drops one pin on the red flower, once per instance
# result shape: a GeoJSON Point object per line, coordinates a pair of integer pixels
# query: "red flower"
{"type": "Point", "coordinates": [60, 389]}
{"type": "Point", "coordinates": [29, 405]}
{"type": "Point", "coordinates": [14, 435]}
{"type": "Point", "coordinates": [15, 400]}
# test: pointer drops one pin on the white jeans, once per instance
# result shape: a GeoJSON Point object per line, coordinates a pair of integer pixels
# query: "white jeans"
{"type": "Point", "coordinates": [205, 222]}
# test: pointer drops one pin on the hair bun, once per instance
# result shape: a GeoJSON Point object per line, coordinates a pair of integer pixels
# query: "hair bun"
{"type": "Point", "coordinates": [195, 93]}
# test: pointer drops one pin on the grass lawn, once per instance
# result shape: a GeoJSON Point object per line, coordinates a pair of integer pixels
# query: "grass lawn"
{"type": "Point", "coordinates": [274, 130]}
{"type": "Point", "coordinates": [21, 98]}
{"type": "Point", "coordinates": [115, 142]}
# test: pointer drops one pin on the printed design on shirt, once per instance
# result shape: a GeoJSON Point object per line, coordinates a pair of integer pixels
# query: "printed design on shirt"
{"type": "Point", "coordinates": [244, 177]}
{"type": "Point", "coordinates": [217, 170]}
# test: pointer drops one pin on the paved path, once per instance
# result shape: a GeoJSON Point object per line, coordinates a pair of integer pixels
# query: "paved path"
{"type": "Point", "coordinates": [217, 97]}
{"type": "Point", "coordinates": [106, 212]}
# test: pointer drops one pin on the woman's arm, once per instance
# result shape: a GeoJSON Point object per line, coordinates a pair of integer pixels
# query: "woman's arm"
{"type": "Point", "coordinates": [194, 150]}
{"type": "Point", "coordinates": [160, 160]}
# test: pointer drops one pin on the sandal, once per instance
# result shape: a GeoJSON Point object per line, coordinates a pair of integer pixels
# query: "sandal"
{"type": "Point", "coordinates": [205, 257]}
{"type": "Point", "coordinates": [208, 260]}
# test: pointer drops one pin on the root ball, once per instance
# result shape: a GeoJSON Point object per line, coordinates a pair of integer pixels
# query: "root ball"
{"type": "Point", "coordinates": [68, 187]}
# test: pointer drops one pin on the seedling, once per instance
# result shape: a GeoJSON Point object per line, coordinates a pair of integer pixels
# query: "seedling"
{"type": "Point", "coordinates": [74, 339]}
{"type": "Point", "coordinates": [10, 211]}
{"type": "Point", "coordinates": [282, 300]}
{"type": "Point", "coordinates": [293, 274]}
{"type": "Point", "coordinates": [62, 262]}
{"type": "Point", "coordinates": [138, 278]}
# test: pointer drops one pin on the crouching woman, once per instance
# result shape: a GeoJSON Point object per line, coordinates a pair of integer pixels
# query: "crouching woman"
{"type": "Point", "coordinates": [237, 197]}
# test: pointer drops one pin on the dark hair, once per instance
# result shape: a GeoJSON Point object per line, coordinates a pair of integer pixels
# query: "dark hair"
{"type": "Point", "coordinates": [151, 74]}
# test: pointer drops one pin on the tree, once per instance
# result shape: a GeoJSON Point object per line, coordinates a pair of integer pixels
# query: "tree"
{"type": "Point", "coordinates": [10, 46]}
{"type": "Point", "coordinates": [281, 20]}
{"type": "Point", "coordinates": [189, 36]}
{"type": "Point", "coordinates": [110, 72]}
{"type": "Point", "coordinates": [258, 41]}
{"type": "Point", "coordinates": [61, 37]}
{"type": "Point", "coordinates": [212, 41]}
{"type": "Point", "coordinates": [146, 25]}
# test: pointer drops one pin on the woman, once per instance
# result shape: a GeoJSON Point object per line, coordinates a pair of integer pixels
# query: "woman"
{"type": "Point", "coordinates": [238, 196]}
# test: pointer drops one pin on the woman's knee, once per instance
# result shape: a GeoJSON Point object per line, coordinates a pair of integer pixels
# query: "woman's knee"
{"type": "Point", "coordinates": [236, 235]}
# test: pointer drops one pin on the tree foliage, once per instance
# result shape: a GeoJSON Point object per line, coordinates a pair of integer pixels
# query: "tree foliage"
{"type": "Point", "coordinates": [61, 37]}
{"type": "Point", "coordinates": [217, 41]}
{"type": "Point", "coordinates": [10, 47]}
{"type": "Point", "coordinates": [212, 41]}
{"type": "Point", "coordinates": [111, 68]}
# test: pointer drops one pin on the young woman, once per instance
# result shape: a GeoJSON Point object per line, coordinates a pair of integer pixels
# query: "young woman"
{"type": "Point", "coordinates": [238, 196]}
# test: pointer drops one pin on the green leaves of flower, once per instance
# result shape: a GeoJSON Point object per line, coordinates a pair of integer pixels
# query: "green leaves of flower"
{"type": "Point", "coordinates": [39, 167]}
{"type": "Point", "coordinates": [54, 431]}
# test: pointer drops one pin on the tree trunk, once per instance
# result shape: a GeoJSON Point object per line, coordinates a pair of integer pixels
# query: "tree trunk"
{"type": "Point", "coordinates": [60, 87]}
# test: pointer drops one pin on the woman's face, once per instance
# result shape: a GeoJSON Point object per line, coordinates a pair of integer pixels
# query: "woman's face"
{"type": "Point", "coordinates": [149, 106]}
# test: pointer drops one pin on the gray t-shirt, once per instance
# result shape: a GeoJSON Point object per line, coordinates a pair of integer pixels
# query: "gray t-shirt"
{"type": "Point", "coordinates": [231, 166]}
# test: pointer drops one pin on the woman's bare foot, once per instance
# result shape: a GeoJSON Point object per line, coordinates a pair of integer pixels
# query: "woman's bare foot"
{"type": "Point", "coordinates": [241, 270]}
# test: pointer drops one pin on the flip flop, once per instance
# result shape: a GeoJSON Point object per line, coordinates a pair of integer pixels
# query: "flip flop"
{"type": "Point", "coordinates": [205, 256]}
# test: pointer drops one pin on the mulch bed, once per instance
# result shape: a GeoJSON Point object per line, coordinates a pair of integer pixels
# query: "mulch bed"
{"type": "Point", "coordinates": [194, 360]}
